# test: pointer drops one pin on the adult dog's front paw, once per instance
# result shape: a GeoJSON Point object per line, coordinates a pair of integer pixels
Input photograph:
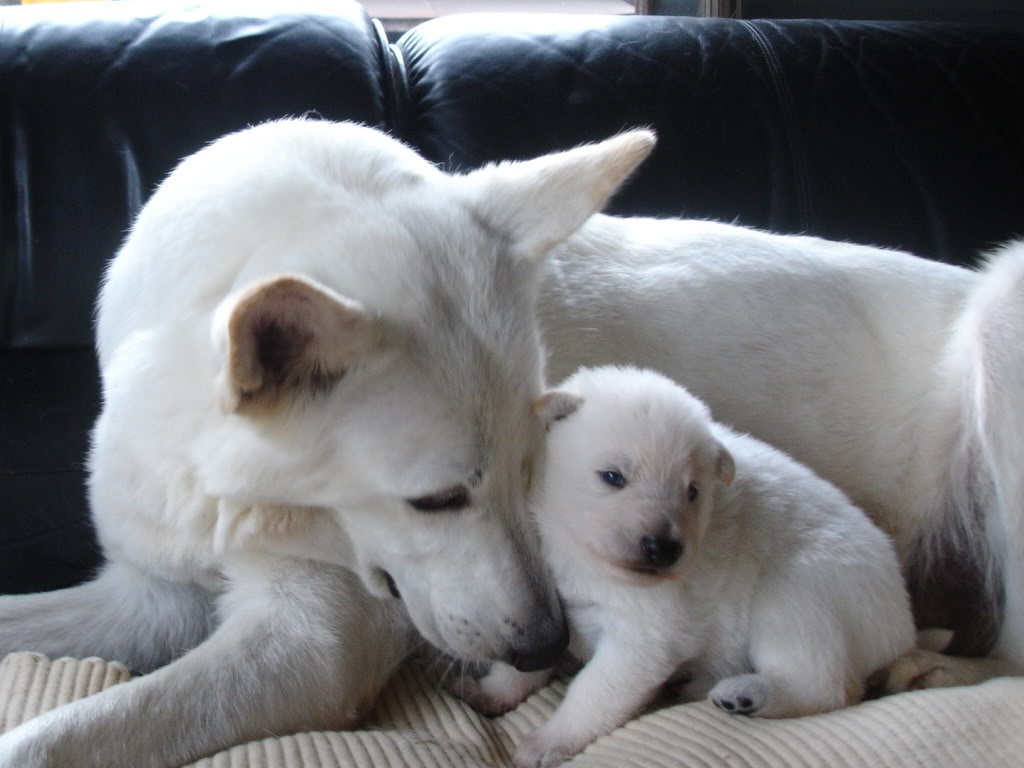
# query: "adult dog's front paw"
{"type": "Point", "coordinates": [541, 750]}
{"type": "Point", "coordinates": [469, 689]}
{"type": "Point", "coordinates": [502, 688]}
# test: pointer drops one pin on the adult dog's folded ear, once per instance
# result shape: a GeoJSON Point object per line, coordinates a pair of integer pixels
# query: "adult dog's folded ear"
{"type": "Point", "coordinates": [539, 203]}
{"type": "Point", "coordinates": [287, 336]}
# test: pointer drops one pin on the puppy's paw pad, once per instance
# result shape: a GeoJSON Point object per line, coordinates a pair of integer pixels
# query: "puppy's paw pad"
{"type": "Point", "coordinates": [742, 695]}
{"type": "Point", "coordinates": [741, 705]}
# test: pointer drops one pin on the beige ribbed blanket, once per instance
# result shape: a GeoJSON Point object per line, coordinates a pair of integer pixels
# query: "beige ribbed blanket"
{"type": "Point", "coordinates": [417, 726]}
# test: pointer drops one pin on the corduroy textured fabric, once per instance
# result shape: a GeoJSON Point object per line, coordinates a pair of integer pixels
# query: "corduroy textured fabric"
{"type": "Point", "coordinates": [417, 726]}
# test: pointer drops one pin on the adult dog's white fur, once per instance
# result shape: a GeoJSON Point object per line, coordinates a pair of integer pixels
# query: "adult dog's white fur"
{"type": "Point", "coordinates": [680, 546]}
{"type": "Point", "coordinates": [319, 358]}
{"type": "Point", "coordinates": [311, 332]}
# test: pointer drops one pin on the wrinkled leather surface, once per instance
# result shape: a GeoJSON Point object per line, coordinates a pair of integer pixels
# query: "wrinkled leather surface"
{"type": "Point", "coordinates": [101, 101]}
{"type": "Point", "coordinates": [897, 134]}
{"type": "Point", "coordinates": [48, 400]}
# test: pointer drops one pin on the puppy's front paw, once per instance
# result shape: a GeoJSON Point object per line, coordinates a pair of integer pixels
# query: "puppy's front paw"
{"type": "Point", "coordinates": [740, 695]}
{"type": "Point", "coordinates": [540, 750]}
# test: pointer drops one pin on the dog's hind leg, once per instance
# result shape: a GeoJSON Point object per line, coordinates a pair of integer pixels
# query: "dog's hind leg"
{"type": "Point", "coordinates": [121, 615]}
{"type": "Point", "coordinates": [921, 668]}
{"type": "Point", "coordinates": [988, 345]}
{"type": "Point", "coordinates": [798, 652]}
{"type": "Point", "coordinates": [300, 646]}
{"type": "Point", "coordinates": [982, 523]}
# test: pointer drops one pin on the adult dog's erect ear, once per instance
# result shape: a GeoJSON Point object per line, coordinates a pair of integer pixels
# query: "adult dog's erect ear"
{"type": "Point", "coordinates": [285, 336]}
{"type": "Point", "coordinates": [539, 203]}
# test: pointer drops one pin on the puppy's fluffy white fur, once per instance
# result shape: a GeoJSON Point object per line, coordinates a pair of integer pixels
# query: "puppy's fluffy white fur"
{"type": "Point", "coordinates": [682, 548]}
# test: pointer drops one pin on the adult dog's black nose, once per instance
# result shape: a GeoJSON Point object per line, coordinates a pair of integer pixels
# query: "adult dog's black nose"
{"type": "Point", "coordinates": [661, 552]}
{"type": "Point", "coordinates": [541, 656]}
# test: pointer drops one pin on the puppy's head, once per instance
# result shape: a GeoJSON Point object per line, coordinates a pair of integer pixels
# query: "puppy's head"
{"type": "Point", "coordinates": [630, 475]}
{"type": "Point", "coordinates": [377, 361]}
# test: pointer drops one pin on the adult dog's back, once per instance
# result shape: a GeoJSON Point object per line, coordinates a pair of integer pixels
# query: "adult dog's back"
{"type": "Point", "coordinates": [897, 378]}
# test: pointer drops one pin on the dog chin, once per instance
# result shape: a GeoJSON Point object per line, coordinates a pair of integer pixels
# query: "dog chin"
{"type": "Point", "coordinates": [474, 653]}
{"type": "Point", "coordinates": [639, 573]}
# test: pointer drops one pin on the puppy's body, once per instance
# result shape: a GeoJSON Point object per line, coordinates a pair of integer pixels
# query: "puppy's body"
{"type": "Point", "coordinates": [680, 546]}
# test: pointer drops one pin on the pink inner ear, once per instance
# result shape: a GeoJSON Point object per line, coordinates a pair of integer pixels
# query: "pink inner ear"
{"type": "Point", "coordinates": [280, 346]}
{"type": "Point", "coordinates": [725, 466]}
{"type": "Point", "coordinates": [289, 334]}
{"type": "Point", "coordinates": [272, 334]}
{"type": "Point", "coordinates": [555, 406]}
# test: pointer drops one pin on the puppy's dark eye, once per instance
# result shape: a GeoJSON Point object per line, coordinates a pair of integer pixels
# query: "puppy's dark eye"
{"type": "Point", "coordinates": [612, 477]}
{"type": "Point", "coordinates": [448, 500]}
{"type": "Point", "coordinates": [692, 492]}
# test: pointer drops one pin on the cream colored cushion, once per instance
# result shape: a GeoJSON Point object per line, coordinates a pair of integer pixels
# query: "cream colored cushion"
{"type": "Point", "coordinates": [417, 726]}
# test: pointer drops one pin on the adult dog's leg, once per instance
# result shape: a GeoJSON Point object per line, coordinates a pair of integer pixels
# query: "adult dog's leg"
{"type": "Point", "coordinates": [985, 515]}
{"type": "Point", "coordinates": [987, 346]}
{"type": "Point", "coordinates": [995, 314]}
{"type": "Point", "coordinates": [122, 615]}
{"type": "Point", "coordinates": [301, 645]}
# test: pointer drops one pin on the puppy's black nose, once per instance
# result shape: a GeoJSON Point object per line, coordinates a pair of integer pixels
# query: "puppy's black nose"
{"type": "Point", "coordinates": [542, 656]}
{"type": "Point", "coordinates": [661, 552]}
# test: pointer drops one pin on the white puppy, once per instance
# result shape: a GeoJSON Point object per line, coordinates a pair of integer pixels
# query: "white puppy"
{"type": "Point", "coordinates": [680, 546]}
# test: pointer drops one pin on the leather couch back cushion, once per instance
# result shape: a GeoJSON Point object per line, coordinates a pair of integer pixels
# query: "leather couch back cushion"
{"type": "Point", "coordinates": [100, 102]}
{"type": "Point", "coordinates": [897, 134]}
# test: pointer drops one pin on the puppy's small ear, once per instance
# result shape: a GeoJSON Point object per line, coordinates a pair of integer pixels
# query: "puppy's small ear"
{"type": "Point", "coordinates": [555, 406]}
{"type": "Point", "coordinates": [286, 336]}
{"type": "Point", "coordinates": [725, 467]}
{"type": "Point", "coordinates": [539, 203]}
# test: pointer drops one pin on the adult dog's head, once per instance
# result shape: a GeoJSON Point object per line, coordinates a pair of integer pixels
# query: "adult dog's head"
{"type": "Point", "coordinates": [375, 358]}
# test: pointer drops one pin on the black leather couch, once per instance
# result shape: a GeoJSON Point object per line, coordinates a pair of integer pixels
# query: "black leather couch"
{"type": "Point", "coordinates": [899, 134]}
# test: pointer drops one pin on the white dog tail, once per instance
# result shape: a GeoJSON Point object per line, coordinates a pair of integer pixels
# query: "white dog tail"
{"type": "Point", "coordinates": [121, 615]}
{"type": "Point", "coordinates": [987, 357]}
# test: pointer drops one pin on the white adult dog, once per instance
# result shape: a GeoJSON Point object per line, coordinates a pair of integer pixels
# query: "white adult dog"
{"type": "Point", "coordinates": [319, 358]}
{"type": "Point", "coordinates": [679, 545]}
{"type": "Point", "coordinates": [319, 354]}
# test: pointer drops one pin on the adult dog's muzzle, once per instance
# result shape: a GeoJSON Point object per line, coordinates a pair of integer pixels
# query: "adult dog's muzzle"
{"type": "Point", "coordinates": [541, 656]}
